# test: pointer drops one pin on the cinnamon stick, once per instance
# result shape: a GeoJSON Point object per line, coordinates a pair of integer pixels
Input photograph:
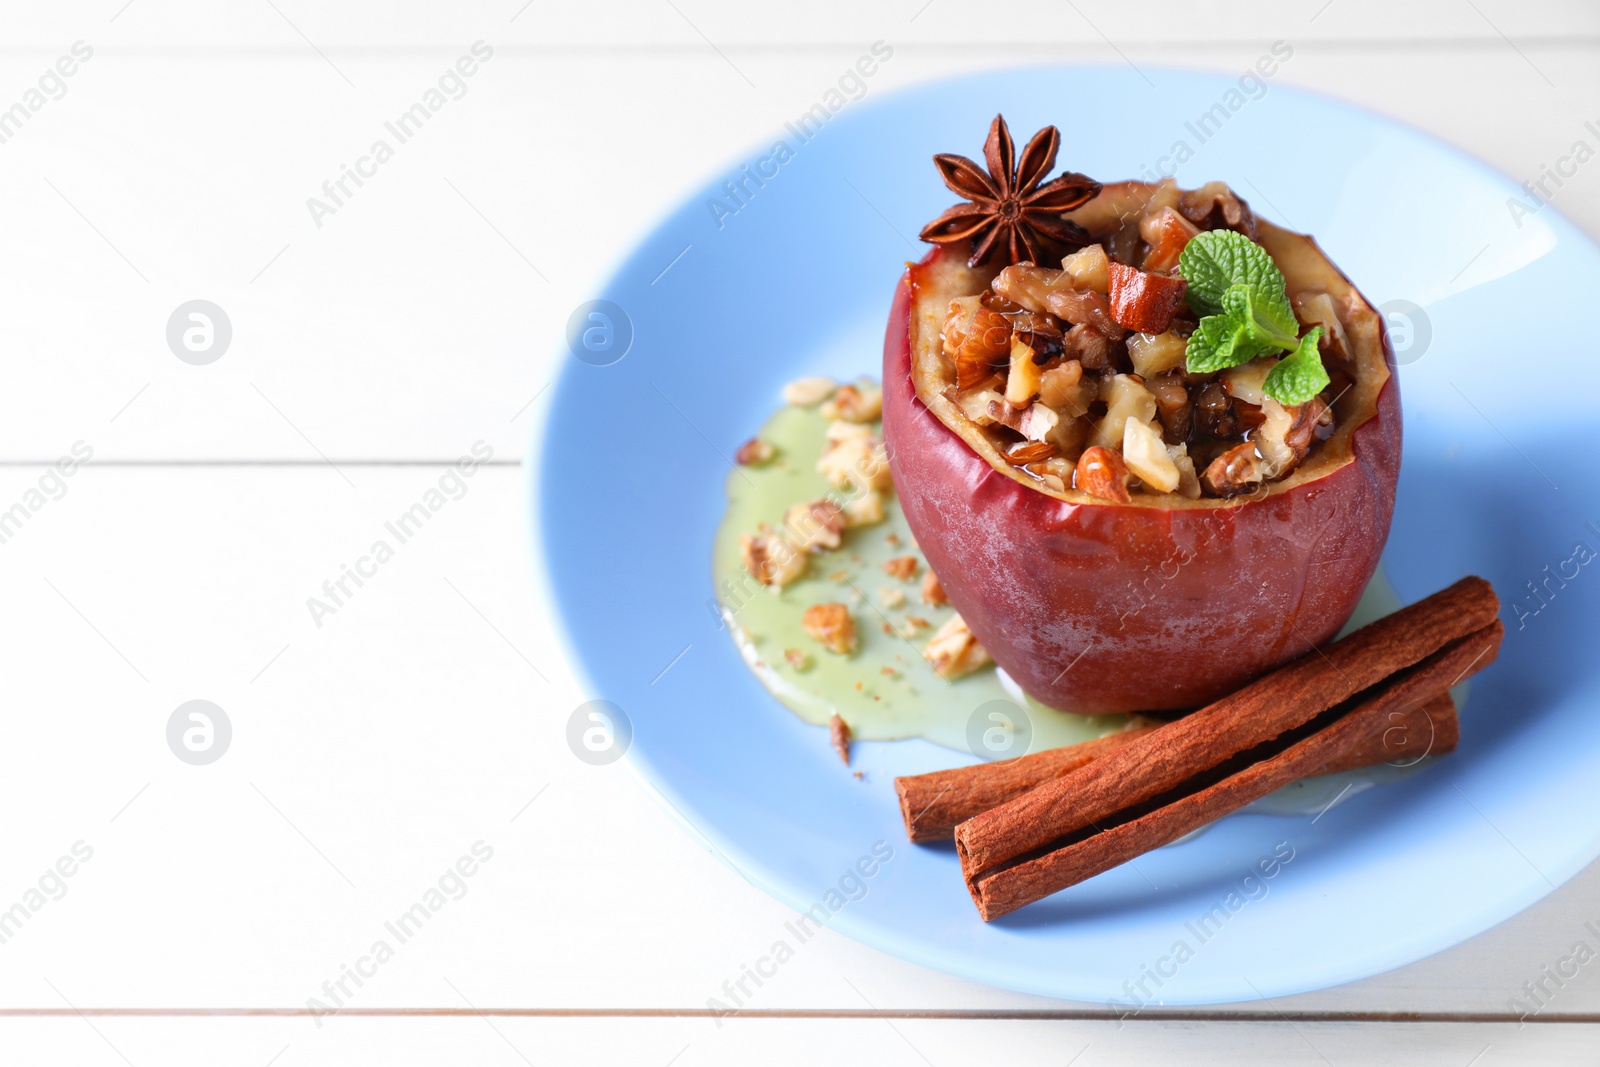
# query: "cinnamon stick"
{"type": "Point", "coordinates": [1431, 730]}
{"type": "Point", "coordinates": [1028, 876]}
{"type": "Point", "coordinates": [1274, 704]}
{"type": "Point", "coordinates": [933, 804]}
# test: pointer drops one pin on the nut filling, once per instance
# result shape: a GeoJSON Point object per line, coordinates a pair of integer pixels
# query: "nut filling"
{"type": "Point", "coordinates": [1076, 373]}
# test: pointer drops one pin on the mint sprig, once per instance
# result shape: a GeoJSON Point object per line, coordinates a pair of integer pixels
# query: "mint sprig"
{"type": "Point", "coordinates": [1241, 293]}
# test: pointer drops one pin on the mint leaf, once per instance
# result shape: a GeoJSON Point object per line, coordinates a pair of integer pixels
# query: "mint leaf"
{"type": "Point", "coordinates": [1214, 346]}
{"type": "Point", "coordinates": [1215, 261]}
{"type": "Point", "coordinates": [1260, 318]}
{"type": "Point", "coordinates": [1219, 342]}
{"type": "Point", "coordinates": [1239, 334]}
{"type": "Point", "coordinates": [1300, 375]}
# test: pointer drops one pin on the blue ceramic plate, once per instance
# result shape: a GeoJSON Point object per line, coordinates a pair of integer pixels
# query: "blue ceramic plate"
{"type": "Point", "coordinates": [728, 299]}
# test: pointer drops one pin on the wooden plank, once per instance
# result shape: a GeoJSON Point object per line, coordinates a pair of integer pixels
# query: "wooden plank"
{"type": "Point", "coordinates": [370, 754]}
{"type": "Point", "coordinates": [430, 309]}
{"type": "Point", "coordinates": [94, 1042]}
{"type": "Point", "coordinates": [300, 26]}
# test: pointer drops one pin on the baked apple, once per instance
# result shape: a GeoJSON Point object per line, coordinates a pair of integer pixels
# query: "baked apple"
{"type": "Point", "coordinates": [1140, 486]}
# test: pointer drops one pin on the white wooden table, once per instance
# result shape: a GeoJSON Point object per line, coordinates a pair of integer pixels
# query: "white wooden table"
{"type": "Point", "coordinates": [426, 714]}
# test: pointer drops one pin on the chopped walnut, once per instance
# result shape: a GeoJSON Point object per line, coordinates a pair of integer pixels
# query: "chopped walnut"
{"type": "Point", "coordinates": [1079, 306]}
{"type": "Point", "coordinates": [1039, 289]}
{"type": "Point", "coordinates": [975, 406]}
{"type": "Point", "coordinates": [891, 597]}
{"type": "Point", "coordinates": [1317, 309]}
{"type": "Point", "coordinates": [865, 510]}
{"type": "Point", "coordinates": [1066, 389]}
{"type": "Point", "coordinates": [1234, 471]}
{"type": "Point", "coordinates": [1035, 422]}
{"type": "Point", "coordinates": [854, 404]}
{"type": "Point", "coordinates": [1028, 286]}
{"type": "Point", "coordinates": [808, 392]}
{"type": "Point", "coordinates": [1188, 480]}
{"type": "Point", "coordinates": [1125, 397]}
{"type": "Point", "coordinates": [932, 591]}
{"type": "Point", "coordinates": [754, 453]}
{"type": "Point", "coordinates": [901, 567]}
{"type": "Point", "coordinates": [770, 558]}
{"type": "Point", "coordinates": [817, 526]}
{"type": "Point", "coordinates": [1214, 206]}
{"type": "Point", "coordinates": [1088, 346]}
{"type": "Point", "coordinates": [854, 456]}
{"type": "Point", "coordinates": [839, 734]}
{"type": "Point", "coordinates": [831, 625]}
{"type": "Point", "coordinates": [953, 651]}
{"type": "Point", "coordinates": [1270, 438]}
{"type": "Point", "coordinates": [1087, 268]}
{"type": "Point", "coordinates": [915, 623]}
{"type": "Point", "coordinates": [1156, 353]}
{"type": "Point", "coordinates": [796, 658]}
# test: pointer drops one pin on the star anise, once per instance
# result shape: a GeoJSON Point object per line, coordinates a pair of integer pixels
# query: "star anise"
{"type": "Point", "coordinates": [1008, 208]}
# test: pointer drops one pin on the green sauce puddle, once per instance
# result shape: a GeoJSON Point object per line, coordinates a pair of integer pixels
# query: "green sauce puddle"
{"type": "Point", "coordinates": [974, 714]}
{"type": "Point", "coordinates": [913, 701]}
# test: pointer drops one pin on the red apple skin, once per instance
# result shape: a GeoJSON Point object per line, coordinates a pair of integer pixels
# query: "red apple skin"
{"type": "Point", "coordinates": [1098, 608]}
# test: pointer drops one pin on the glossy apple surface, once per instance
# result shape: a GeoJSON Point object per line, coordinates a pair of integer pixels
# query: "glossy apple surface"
{"type": "Point", "coordinates": [1095, 607]}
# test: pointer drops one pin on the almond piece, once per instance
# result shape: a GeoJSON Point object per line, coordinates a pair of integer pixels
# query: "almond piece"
{"type": "Point", "coordinates": [1146, 456]}
{"type": "Point", "coordinates": [1167, 232]}
{"type": "Point", "coordinates": [1022, 380]}
{"type": "Point", "coordinates": [1025, 452]}
{"type": "Point", "coordinates": [932, 591]}
{"type": "Point", "coordinates": [830, 625]}
{"type": "Point", "coordinates": [1102, 473]}
{"type": "Point", "coordinates": [1143, 302]}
